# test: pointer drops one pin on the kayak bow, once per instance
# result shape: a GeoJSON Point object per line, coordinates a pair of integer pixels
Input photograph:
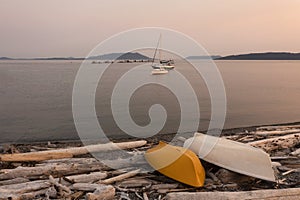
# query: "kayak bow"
{"type": "Point", "coordinates": [178, 163]}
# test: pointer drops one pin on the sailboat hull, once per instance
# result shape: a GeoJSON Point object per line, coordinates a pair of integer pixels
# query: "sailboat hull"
{"type": "Point", "coordinates": [159, 71]}
{"type": "Point", "coordinates": [167, 67]}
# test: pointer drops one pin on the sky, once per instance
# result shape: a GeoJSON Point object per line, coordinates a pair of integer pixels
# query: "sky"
{"type": "Point", "coordinates": [49, 28]}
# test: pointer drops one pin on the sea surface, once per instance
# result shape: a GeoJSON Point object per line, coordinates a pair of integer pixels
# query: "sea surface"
{"type": "Point", "coordinates": [36, 97]}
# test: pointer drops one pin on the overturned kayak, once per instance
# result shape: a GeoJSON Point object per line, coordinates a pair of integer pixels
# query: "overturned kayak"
{"type": "Point", "coordinates": [178, 163]}
{"type": "Point", "coordinates": [235, 156]}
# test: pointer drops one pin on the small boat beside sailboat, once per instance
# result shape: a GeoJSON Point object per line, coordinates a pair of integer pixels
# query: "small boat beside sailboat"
{"type": "Point", "coordinates": [166, 64]}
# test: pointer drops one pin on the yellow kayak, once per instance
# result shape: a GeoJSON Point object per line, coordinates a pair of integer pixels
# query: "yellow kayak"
{"type": "Point", "coordinates": [178, 163]}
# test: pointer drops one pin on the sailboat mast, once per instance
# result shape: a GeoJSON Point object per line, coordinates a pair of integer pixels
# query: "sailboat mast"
{"type": "Point", "coordinates": [160, 45]}
{"type": "Point", "coordinates": [156, 48]}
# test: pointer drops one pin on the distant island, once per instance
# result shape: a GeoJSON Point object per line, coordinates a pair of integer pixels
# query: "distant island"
{"type": "Point", "coordinates": [120, 56]}
{"type": "Point", "coordinates": [263, 56]}
{"type": "Point", "coordinates": [110, 56]}
{"type": "Point", "coordinates": [203, 57]}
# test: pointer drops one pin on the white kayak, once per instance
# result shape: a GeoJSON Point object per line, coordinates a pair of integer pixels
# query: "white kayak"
{"type": "Point", "coordinates": [235, 156]}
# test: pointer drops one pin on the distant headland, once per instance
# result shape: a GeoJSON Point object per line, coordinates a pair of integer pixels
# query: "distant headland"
{"type": "Point", "coordinates": [203, 57]}
{"type": "Point", "coordinates": [263, 56]}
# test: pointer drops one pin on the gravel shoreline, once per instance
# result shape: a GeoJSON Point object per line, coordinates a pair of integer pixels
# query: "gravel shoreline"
{"type": "Point", "coordinates": [151, 184]}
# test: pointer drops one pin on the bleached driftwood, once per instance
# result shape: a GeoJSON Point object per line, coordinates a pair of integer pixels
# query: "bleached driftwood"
{"type": "Point", "coordinates": [100, 191]}
{"type": "Point", "coordinates": [145, 196]}
{"type": "Point", "coordinates": [293, 164]}
{"type": "Point", "coordinates": [69, 161]}
{"type": "Point", "coordinates": [135, 160]}
{"type": "Point", "coordinates": [296, 152]}
{"type": "Point", "coordinates": [55, 169]}
{"type": "Point", "coordinates": [30, 195]}
{"type": "Point", "coordinates": [65, 191]}
{"type": "Point", "coordinates": [164, 191]}
{"type": "Point", "coordinates": [282, 142]}
{"type": "Point", "coordinates": [135, 182]}
{"type": "Point", "coordinates": [278, 127]}
{"type": "Point", "coordinates": [279, 194]}
{"type": "Point", "coordinates": [25, 187]}
{"type": "Point", "coordinates": [70, 152]}
{"type": "Point", "coordinates": [14, 181]}
{"type": "Point", "coordinates": [90, 187]}
{"type": "Point", "coordinates": [164, 186]}
{"type": "Point", "coordinates": [276, 132]}
{"type": "Point", "coordinates": [106, 192]}
{"type": "Point", "coordinates": [120, 177]}
{"type": "Point", "coordinates": [87, 178]}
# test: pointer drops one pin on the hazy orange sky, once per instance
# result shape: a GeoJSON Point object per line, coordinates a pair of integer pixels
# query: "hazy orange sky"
{"type": "Point", "coordinates": [46, 28]}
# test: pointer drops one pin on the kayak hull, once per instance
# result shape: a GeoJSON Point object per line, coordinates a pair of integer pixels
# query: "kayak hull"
{"type": "Point", "coordinates": [235, 156]}
{"type": "Point", "coordinates": [177, 163]}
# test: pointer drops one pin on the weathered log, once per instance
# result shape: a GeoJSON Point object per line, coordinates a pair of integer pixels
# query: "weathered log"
{"type": "Point", "coordinates": [282, 142]}
{"type": "Point", "coordinates": [55, 169]}
{"type": "Point", "coordinates": [25, 196]}
{"type": "Point", "coordinates": [277, 132]}
{"type": "Point", "coordinates": [25, 187]}
{"type": "Point", "coordinates": [69, 161]}
{"type": "Point", "coordinates": [296, 152]}
{"type": "Point", "coordinates": [64, 190]}
{"type": "Point", "coordinates": [278, 127]}
{"type": "Point", "coordinates": [164, 191]}
{"type": "Point", "coordinates": [136, 160]}
{"type": "Point", "coordinates": [120, 177]}
{"type": "Point", "coordinates": [70, 152]}
{"type": "Point", "coordinates": [279, 194]}
{"type": "Point", "coordinates": [164, 186]}
{"type": "Point", "coordinates": [145, 196]}
{"type": "Point", "coordinates": [77, 195]}
{"type": "Point", "coordinates": [283, 157]}
{"type": "Point", "coordinates": [290, 171]}
{"type": "Point", "coordinates": [291, 163]}
{"type": "Point", "coordinates": [87, 178]}
{"type": "Point", "coordinates": [106, 192]}
{"type": "Point", "coordinates": [14, 181]}
{"type": "Point", "coordinates": [90, 187]}
{"type": "Point", "coordinates": [51, 193]}
{"type": "Point", "coordinates": [246, 138]}
{"type": "Point", "coordinates": [134, 182]}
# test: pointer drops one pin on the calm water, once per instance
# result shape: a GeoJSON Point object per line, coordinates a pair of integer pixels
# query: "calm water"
{"type": "Point", "coordinates": [36, 97]}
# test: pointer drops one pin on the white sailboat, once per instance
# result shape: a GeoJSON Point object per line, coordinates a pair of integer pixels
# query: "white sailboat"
{"type": "Point", "coordinates": [163, 64]}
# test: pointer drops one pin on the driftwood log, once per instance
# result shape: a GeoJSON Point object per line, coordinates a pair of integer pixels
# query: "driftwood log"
{"type": "Point", "coordinates": [276, 132]}
{"type": "Point", "coordinates": [278, 127]}
{"type": "Point", "coordinates": [24, 187]}
{"type": "Point", "coordinates": [106, 192]}
{"type": "Point", "coordinates": [282, 194]}
{"type": "Point", "coordinates": [70, 152]}
{"type": "Point", "coordinates": [121, 177]}
{"type": "Point", "coordinates": [54, 169]}
{"type": "Point", "coordinates": [14, 181]}
{"type": "Point", "coordinates": [87, 178]}
{"type": "Point", "coordinates": [25, 196]}
{"type": "Point", "coordinates": [281, 142]}
{"type": "Point", "coordinates": [296, 152]}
